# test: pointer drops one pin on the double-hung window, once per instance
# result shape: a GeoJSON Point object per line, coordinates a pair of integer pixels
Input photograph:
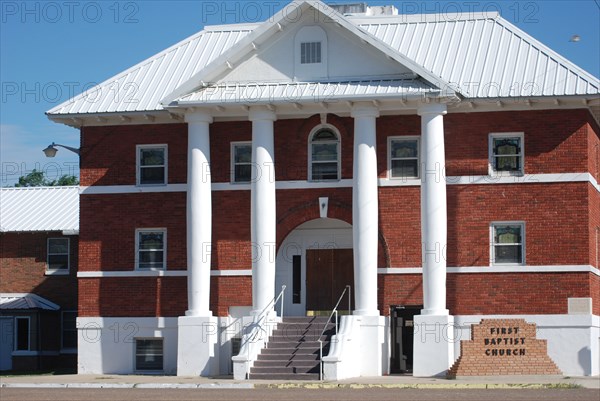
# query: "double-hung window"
{"type": "Point", "coordinates": [151, 249]}
{"type": "Point", "coordinates": [22, 333]}
{"type": "Point", "coordinates": [508, 243]}
{"type": "Point", "coordinates": [506, 153]}
{"type": "Point", "coordinates": [324, 149]}
{"type": "Point", "coordinates": [403, 157]}
{"type": "Point", "coordinates": [152, 164]}
{"type": "Point", "coordinates": [58, 256]}
{"type": "Point", "coordinates": [241, 162]}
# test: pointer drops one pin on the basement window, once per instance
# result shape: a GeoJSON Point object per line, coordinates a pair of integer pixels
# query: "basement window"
{"type": "Point", "coordinates": [149, 355]}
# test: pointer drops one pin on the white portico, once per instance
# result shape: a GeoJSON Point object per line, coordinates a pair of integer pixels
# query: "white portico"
{"type": "Point", "coordinates": [290, 87]}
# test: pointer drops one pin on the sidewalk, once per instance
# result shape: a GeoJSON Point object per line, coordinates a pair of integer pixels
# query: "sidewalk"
{"type": "Point", "coordinates": [395, 381]}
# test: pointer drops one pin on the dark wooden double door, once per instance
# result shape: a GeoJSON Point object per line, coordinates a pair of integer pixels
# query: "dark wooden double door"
{"type": "Point", "coordinates": [328, 272]}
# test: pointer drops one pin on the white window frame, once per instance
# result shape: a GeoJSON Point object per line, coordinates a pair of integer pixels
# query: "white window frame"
{"type": "Point", "coordinates": [137, 248]}
{"type": "Point", "coordinates": [64, 349]}
{"type": "Point", "coordinates": [144, 371]}
{"type": "Point", "coordinates": [314, 131]}
{"type": "Point", "coordinates": [138, 165]}
{"type": "Point", "coordinates": [491, 159]}
{"type": "Point", "coordinates": [493, 244]}
{"type": "Point", "coordinates": [233, 163]}
{"type": "Point", "coordinates": [58, 271]}
{"type": "Point", "coordinates": [389, 156]}
{"type": "Point", "coordinates": [16, 334]}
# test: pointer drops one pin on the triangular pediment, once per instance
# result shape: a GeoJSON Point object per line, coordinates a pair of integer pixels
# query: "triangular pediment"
{"type": "Point", "coordinates": [272, 53]}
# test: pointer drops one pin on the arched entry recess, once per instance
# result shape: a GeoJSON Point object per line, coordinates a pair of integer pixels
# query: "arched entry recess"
{"type": "Point", "coordinates": [315, 263]}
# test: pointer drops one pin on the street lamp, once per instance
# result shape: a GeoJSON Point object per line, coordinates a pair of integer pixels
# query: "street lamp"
{"type": "Point", "coordinates": [50, 151]}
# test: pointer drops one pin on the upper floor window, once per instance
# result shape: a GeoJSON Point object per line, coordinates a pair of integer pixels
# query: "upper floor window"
{"type": "Point", "coordinates": [403, 157]}
{"type": "Point", "coordinates": [506, 153]}
{"type": "Point", "coordinates": [151, 164]}
{"type": "Point", "coordinates": [310, 52]}
{"type": "Point", "coordinates": [58, 255]}
{"type": "Point", "coordinates": [151, 249]}
{"type": "Point", "coordinates": [508, 243]}
{"type": "Point", "coordinates": [324, 154]}
{"type": "Point", "coordinates": [241, 161]}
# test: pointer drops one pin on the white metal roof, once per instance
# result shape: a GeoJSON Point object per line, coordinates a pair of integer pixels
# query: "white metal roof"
{"type": "Point", "coordinates": [479, 54]}
{"type": "Point", "coordinates": [245, 93]}
{"type": "Point", "coordinates": [484, 55]}
{"type": "Point", "coordinates": [143, 86]}
{"type": "Point", "coordinates": [39, 209]}
{"type": "Point", "coordinates": [25, 301]}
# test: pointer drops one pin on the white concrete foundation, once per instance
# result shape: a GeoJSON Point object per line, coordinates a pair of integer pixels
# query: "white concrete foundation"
{"type": "Point", "coordinates": [433, 345]}
{"type": "Point", "coordinates": [573, 340]}
{"type": "Point", "coordinates": [197, 348]}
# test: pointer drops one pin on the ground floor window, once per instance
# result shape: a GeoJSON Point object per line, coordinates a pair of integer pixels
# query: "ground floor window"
{"type": "Point", "coordinates": [508, 243]}
{"type": "Point", "coordinates": [149, 354]}
{"type": "Point", "coordinates": [69, 330]}
{"type": "Point", "coordinates": [22, 334]}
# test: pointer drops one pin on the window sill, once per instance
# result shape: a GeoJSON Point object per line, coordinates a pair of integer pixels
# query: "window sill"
{"type": "Point", "coordinates": [68, 351]}
{"type": "Point", "coordinates": [507, 264]}
{"type": "Point", "coordinates": [57, 272]}
{"type": "Point", "coordinates": [499, 174]}
{"type": "Point", "coordinates": [151, 185]}
{"type": "Point", "coordinates": [25, 353]}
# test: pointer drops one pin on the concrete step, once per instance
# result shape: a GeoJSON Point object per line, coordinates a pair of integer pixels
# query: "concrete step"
{"type": "Point", "coordinates": [293, 351]}
{"type": "Point", "coordinates": [295, 357]}
{"type": "Point", "coordinates": [284, 376]}
{"type": "Point", "coordinates": [286, 363]}
{"type": "Point", "coordinates": [284, 370]}
{"type": "Point", "coordinates": [294, 344]}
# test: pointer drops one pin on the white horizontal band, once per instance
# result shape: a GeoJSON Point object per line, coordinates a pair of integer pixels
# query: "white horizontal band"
{"type": "Point", "coordinates": [391, 271]}
{"type": "Point", "coordinates": [347, 183]}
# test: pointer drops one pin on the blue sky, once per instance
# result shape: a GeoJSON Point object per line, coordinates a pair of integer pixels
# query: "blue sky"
{"type": "Point", "coordinates": [52, 50]}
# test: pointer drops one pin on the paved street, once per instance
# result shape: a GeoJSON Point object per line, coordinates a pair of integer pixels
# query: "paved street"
{"type": "Point", "coordinates": [379, 394]}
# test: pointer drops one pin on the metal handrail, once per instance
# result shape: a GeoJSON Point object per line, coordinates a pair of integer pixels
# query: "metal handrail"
{"type": "Point", "coordinates": [333, 312]}
{"type": "Point", "coordinates": [258, 317]}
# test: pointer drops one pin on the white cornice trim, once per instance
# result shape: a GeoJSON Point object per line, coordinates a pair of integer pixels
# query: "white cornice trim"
{"type": "Point", "coordinates": [347, 183]}
{"type": "Point", "coordinates": [160, 273]}
{"type": "Point", "coordinates": [498, 269]}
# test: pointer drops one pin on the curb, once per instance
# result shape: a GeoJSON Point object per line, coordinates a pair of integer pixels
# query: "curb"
{"type": "Point", "coordinates": [287, 386]}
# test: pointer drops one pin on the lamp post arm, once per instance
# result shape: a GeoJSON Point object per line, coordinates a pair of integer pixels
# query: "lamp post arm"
{"type": "Point", "coordinates": [74, 150]}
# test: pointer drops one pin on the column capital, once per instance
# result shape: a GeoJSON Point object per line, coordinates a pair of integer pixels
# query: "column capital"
{"type": "Point", "coordinates": [198, 116]}
{"type": "Point", "coordinates": [364, 109]}
{"type": "Point", "coordinates": [261, 113]}
{"type": "Point", "coordinates": [432, 108]}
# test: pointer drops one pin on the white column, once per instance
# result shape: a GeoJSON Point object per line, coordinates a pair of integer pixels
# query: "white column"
{"type": "Point", "coordinates": [199, 214]}
{"type": "Point", "coordinates": [365, 209]}
{"type": "Point", "coordinates": [263, 208]}
{"type": "Point", "coordinates": [433, 209]}
{"type": "Point", "coordinates": [434, 328]}
{"type": "Point", "coordinates": [197, 331]}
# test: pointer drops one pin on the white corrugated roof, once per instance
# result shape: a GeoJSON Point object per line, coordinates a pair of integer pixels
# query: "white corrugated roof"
{"type": "Point", "coordinates": [25, 301]}
{"type": "Point", "coordinates": [479, 54]}
{"type": "Point", "coordinates": [142, 87]}
{"type": "Point", "coordinates": [308, 91]}
{"type": "Point", "coordinates": [39, 209]}
{"type": "Point", "coordinates": [484, 56]}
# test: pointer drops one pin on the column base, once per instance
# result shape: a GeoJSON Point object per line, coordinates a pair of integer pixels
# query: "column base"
{"type": "Point", "coordinates": [433, 345]}
{"type": "Point", "coordinates": [374, 358]}
{"type": "Point", "coordinates": [197, 346]}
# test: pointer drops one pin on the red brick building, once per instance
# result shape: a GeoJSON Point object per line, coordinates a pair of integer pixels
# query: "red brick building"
{"type": "Point", "coordinates": [324, 150]}
{"type": "Point", "coordinates": [38, 278]}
